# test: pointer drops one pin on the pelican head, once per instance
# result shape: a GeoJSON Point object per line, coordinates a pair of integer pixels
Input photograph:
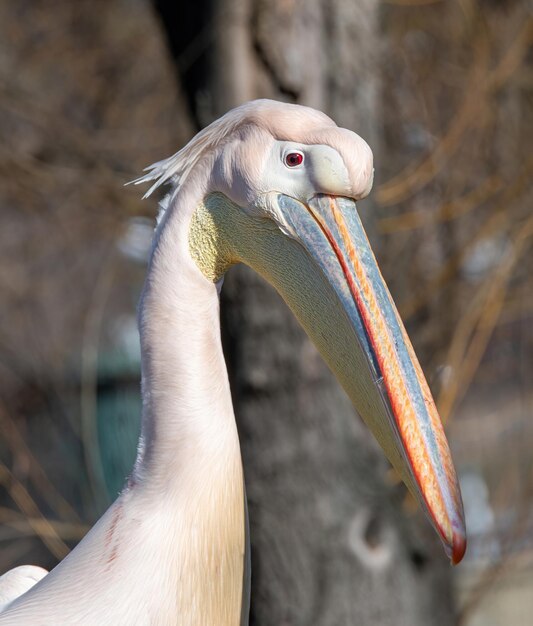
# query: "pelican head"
{"type": "Point", "coordinates": [281, 184]}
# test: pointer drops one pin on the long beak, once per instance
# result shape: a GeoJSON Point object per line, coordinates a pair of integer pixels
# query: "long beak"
{"type": "Point", "coordinates": [407, 423]}
{"type": "Point", "coordinates": [318, 257]}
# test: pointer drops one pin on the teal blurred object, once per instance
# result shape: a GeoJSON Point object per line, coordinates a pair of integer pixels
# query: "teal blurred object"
{"type": "Point", "coordinates": [118, 417]}
{"type": "Point", "coordinates": [119, 412]}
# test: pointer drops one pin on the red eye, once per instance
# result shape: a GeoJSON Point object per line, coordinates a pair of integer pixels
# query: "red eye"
{"type": "Point", "coordinates": [293, 159]}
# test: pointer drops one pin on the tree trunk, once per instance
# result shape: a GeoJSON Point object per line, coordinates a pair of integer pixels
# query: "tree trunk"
{"type": "Point", "coordinates": [330, 544]}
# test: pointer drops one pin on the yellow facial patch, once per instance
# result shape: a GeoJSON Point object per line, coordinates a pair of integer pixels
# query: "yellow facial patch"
{"type": "Point", "coordinates": [210, 250]}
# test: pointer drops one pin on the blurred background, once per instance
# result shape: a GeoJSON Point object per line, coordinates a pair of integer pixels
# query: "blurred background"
{"type": "Point", "coordinates": [93, 91]}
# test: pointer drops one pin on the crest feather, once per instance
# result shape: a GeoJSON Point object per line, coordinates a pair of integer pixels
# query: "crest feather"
{"type": "Point", "coordinates": [177, 167]}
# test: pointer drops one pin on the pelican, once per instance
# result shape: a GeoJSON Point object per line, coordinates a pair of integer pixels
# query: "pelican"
{"type": "Point", "coordinates": [274, 186]}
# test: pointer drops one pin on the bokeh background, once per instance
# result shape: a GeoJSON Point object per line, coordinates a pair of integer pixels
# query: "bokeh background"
{"type": "Point", "coordinates": [93, 91]}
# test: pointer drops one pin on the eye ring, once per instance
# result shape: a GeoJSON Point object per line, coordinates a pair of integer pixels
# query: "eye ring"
{"type": "Point", "coordinates": [294, 159]}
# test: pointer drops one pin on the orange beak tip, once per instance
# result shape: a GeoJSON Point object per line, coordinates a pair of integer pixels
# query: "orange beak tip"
{"type": "Point", "coordinates": [459, 545]}
{"type": "Point", "coordinates": [455, 550]}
